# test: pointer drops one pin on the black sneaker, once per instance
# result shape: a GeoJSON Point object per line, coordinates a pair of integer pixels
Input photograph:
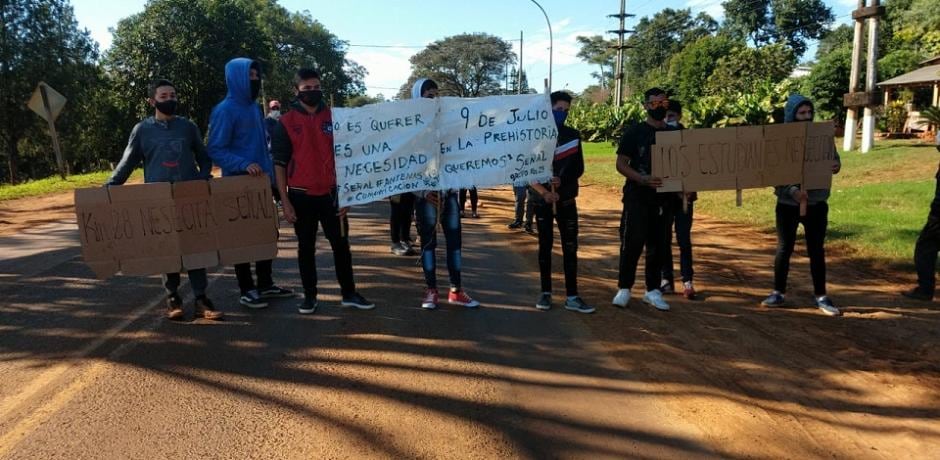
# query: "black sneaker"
{"type": "Point", "coordinates": [917, 294]}
{"type": "Point", "coordinates": [358, 301]}
{"type": "Point", "coordinates": [174, 307]}
{"type": "Point", "coordinates": [545, 301]}
{"type": "Point", "coordinates": [275, 292]}
{"type": "Point", "coordinates": [398, 249]}
{"type": "Point", "coordinates": [516, 224]}
{"type": "Point", "coordinates": [528, 229]}
{"type": "Point", "coordinates": [308, 306]}
{"type": "Point", "coordinates": [252, 299]}
{"type": "Point", "coordinates": [667, 288]}
{"type": "Point", "coordinates": [578, 305]}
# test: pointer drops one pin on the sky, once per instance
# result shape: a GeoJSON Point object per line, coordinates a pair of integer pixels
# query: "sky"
{"type": "Point", "coordinates": [383, 34]}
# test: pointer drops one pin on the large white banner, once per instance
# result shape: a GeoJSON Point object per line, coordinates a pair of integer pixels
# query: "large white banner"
{"type": "Point", "coordinates": [438, 144]}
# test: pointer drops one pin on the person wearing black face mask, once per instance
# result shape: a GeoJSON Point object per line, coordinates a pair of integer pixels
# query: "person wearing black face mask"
{"type": "Point", "coordinates": [302, 146]}
{"type": "Point", "coordinates": [171, 150]}
{"type": "Point", "coordinates": [238, 144]}
{"type": "Point", "coordinates": [645, 213]}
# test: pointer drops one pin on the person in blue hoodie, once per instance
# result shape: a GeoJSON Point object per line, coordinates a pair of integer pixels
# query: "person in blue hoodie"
{"type": "Point", "coordinates": [238, 144]}
{"type": "Point", "coordinates": [815, 222]}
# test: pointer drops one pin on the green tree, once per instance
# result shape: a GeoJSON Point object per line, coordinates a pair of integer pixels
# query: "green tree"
{"type": "Point", "coordinates": [40, 41]}
{"type": "Point", "coordinates": [596, 50]}
{"type": "Point", "coordinates": [745, 69]}
{"type": "Point", "coordinates": [657, 39]}
{"type": "Point", "coordinates": [190, 41]}
{"type": "Point", "coordinates": [466, 65]}
{"type": "Point", "coordinates": [690, 68]}
{"type": "Point", "coordinates": [791, 22]}
{"type": "Point", "coordinates": [828, 82]}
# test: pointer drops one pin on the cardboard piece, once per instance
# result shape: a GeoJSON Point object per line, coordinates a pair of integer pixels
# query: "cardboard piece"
{"type": "Point", "coordinates": [97, 230]}
{"type": "Point", "coordinates": [246, 218]}
{"type": "Point", "coordinates": [149, 229]}
{"type": "Point", "coordinates": [820, 156]}
{"type": "Point", "coordinates": [745, 157]}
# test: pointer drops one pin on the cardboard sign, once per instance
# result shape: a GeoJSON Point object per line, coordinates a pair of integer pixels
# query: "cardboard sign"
{"type": "Point", "coordinates": [150, 229]}
{"type": "Point", "coordinates": [385, 149]}
{"type": "Point", "coordinates": [445, 143]}
{"type": "Point", "coordinates": [745, 157]}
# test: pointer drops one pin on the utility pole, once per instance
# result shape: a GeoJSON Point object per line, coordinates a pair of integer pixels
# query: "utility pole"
{"type": "Point", "coordinates": [618, 94]}
{"type": "Point", "coordinates": [519, 74]}
{"type": "Point", "coordinates": [871, 97]}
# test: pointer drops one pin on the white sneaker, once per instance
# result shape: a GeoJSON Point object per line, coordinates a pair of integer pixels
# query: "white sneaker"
{"type": "Point", "coordinates": [622, 298]}
{"type": "Point", "coordinates": [655, 298]}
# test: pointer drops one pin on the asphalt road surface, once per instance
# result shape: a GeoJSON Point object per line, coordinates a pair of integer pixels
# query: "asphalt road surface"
{"type": "Point", "coordinates": [90, 369]}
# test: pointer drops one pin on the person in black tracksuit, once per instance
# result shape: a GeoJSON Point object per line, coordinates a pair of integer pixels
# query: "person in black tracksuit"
{"type": "Point", "coordinates": [925, 251]}
{"type": "Point", "coordinates": [555, 201]}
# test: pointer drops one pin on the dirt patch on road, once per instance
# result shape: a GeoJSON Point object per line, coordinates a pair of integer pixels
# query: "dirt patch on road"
{"type": "Point", "coordinates": [25, 213]}
{"type": "Point", "coordinates": [781, 383]}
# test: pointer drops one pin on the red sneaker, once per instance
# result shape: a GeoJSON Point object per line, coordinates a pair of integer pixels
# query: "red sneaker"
{"type": "Point", "coordinates": [688, 290]}
{"type": "Point", "coordinates": [430, 299]}
{"type": "Point", "coordinates": [459, 297]}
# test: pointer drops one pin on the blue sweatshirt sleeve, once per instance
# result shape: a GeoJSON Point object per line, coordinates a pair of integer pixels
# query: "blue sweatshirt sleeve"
{"type": "Point", "coordinates": [133, 156]}
{"type": "Point", "coordinates": [220, 143]}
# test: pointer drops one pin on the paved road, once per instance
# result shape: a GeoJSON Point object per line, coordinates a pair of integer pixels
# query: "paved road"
{"type": "Point", "coordinates": [90, 370]}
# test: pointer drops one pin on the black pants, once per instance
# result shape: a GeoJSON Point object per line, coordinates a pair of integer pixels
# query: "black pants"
{"type": "Point", "coordinates": [313, 211]}
{"type": "Point", "coordinates": [474, 199]}
{"type": "Point", "coordinates": [567, 218]}
{"type": "Point", "coordinates": [814, 226]}
{"type": "Point", "coordinates": [928, 243]}
{"type": "Point", "coordinates": [683, 230]}
{"type": "Point", "coordinates": [246, 281]}
{"type": "Point", "coordinates": [400, 216]}
{"type": "Point", "coordinates": [643, 223]}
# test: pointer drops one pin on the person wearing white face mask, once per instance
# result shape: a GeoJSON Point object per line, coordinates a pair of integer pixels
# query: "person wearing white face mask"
{"type": "Point", "coordinates": [681, 220]}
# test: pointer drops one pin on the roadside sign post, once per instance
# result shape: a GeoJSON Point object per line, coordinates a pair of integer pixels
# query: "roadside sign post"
{"type": "Point", "coordinates": [48, 103]}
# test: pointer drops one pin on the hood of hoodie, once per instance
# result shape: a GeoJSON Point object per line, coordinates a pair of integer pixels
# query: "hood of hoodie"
{"type": "Point", "coordinates": [236, 80]}
{"type": "Point", "coordinates": [416, 89]}
{"type": "Point", "coordinates": [789, 110]}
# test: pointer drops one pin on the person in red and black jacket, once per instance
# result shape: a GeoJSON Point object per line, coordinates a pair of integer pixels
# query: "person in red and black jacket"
{"type": "Point", "coordinates": [555, 201]}
{"type": "Point", "coordinates": [302, 147]}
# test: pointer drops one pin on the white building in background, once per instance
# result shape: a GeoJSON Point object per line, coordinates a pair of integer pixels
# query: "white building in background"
{"type": "Point", "coordinates": [801, 71]}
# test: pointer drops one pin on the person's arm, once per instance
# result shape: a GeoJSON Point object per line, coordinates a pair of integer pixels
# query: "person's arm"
{"type": "Point", "coordinates": [281, 152]}
{"type": "Point", "coordinates": [626, 150]}
{"type": "Point", "coordinates": [199, 150]}
{"type": "Point", "coordinates": [133, 156]}
{"type": "Point", "coordinates": [220, 138]}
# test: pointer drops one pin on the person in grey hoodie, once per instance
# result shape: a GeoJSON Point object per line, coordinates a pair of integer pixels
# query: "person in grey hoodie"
{"type": "Point", "coordinates": [171, 149]}
{"type": "Point", "coordinates": [925, 251]}
{"type": "Point", "coordinates": [797, 109]}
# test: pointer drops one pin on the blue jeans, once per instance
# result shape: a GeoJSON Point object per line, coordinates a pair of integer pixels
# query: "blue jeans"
{"type": "Point", "coordinates": [426, 215]}
{"type": "Point", "coordinates": [683, 226]}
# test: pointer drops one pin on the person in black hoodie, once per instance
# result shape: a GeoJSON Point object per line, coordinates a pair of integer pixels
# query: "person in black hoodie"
{"type": "Point", "coordinates": [925, 251]}
{"type": "Point", "coordinates": [556, 201]}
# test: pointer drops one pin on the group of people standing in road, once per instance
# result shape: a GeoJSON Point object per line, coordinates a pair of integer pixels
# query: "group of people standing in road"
{"type": "Point", "coordinates": [295, 150]}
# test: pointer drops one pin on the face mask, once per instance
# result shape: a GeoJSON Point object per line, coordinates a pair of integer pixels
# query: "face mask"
{"type": "Point", "coordinates": [560, 116]}
{"type": "Point", "coordinates": [167, 107]}
{"type": "Point", "coordinates": [311, 97]}
{"type": "Point", "coordinates": [673, 123]}
{"type": "Point", "coordinates": [255, 88]}
{"type": "Point", "coordinates": [658, 114]}
{"type": "Point", "coordinates": [275, 114]}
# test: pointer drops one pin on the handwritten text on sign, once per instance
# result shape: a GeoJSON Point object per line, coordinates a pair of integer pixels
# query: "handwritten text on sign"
{"type": "Point", "coordinates": [437, 144]}
{"type": "Point", "coordinates": [745, 157]}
